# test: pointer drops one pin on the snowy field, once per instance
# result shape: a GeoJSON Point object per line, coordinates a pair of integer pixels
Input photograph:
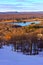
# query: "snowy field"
{"type": "Point", "coordinates": [8, 57]}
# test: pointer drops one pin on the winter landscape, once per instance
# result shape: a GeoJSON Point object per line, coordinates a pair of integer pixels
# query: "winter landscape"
{"type": "Point", "coordinates": [21, 32]}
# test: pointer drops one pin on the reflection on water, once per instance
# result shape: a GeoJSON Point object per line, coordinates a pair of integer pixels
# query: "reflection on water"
{"type": "Point", "coordinates": [8, 57]}
{"type": "Point", "coordinates": [25, 48]}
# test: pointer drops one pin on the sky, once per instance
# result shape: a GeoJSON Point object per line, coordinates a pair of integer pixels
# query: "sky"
{"type": "Point", "coordinates": [21, 5]}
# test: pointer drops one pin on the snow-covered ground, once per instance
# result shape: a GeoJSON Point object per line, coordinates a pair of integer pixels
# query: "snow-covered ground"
{"type": "Point", "coordinates": [8, 57]}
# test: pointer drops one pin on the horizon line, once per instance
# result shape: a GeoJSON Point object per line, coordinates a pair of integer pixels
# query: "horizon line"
{"type": "Point", "coordinates": [21, 11]}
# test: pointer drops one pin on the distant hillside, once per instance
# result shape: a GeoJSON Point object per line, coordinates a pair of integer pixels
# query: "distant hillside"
{"type": "Point", "coordinates": [20, 15]}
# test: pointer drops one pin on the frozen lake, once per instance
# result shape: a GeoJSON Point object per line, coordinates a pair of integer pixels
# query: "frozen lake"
{"type": "Point", "coordinates": [9, 57]}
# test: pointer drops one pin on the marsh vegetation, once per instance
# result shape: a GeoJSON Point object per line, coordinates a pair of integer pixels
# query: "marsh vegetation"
{"type": "Point", "coordinates": [25, 39]}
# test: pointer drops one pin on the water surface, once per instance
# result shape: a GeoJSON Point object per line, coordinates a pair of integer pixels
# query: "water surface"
{"type": "Point", "coordinates": [26, 23]}
{"type": "Point", "coordinates": [22, 23]}
{"type": "Point", "coordinates": [9, 57]}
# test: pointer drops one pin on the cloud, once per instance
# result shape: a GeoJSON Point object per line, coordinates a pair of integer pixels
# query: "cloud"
{"type": "Point", "coordinates": [19, 6]}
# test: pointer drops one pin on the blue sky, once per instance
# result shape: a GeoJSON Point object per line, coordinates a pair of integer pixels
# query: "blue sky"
{"type": "Point", "coordinates": [21, 5]}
